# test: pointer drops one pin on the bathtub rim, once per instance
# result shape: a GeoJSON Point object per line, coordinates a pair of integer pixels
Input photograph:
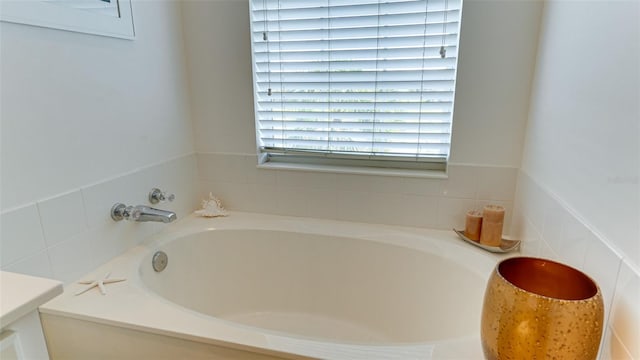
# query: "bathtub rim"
{"type": "Point", "coordinates": [421, 239]}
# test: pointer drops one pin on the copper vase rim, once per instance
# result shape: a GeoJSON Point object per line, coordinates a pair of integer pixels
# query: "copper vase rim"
{"type": "Point", "coordinates": [547, 278]}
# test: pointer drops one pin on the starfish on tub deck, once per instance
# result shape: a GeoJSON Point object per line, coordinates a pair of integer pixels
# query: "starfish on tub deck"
{"type": "Point", "coordinates": [99, 283]}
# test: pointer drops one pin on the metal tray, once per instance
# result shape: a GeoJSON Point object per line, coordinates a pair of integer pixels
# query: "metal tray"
{"type": "Point", "coordinates": [505, 245]}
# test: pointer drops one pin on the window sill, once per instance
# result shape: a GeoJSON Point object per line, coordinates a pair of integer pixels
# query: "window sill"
{"type": "Point", "coordinates": [355, 170]}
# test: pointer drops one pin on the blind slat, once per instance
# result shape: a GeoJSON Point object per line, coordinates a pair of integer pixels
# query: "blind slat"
{"type": "Point", "coordinates": [338, 4]}
{"type": "Point", "coordinates": [323, 52]}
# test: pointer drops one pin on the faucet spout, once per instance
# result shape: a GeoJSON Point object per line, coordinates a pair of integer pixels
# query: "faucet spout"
{"type": "Point", "coordinates": [147, 213]}
{"type": "Point", "coordinates": [141, 213]}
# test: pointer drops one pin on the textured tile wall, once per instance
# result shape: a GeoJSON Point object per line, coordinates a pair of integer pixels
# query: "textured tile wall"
{"type": "Point", "coordinates": [433, 203]}
{"type": "Point", "coordinates": [67, 235]}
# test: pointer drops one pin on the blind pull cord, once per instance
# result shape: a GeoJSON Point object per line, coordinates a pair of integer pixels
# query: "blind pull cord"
{"type": "Point", "coordinates": [443, 51]}
{"type": "Point", "coordinates": [424, 49]}
{"type": "Point", "coordinates": [265, 38]}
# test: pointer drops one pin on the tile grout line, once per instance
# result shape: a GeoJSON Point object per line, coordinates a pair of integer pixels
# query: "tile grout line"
{"type": "Point", "coordinates": [44, 239]}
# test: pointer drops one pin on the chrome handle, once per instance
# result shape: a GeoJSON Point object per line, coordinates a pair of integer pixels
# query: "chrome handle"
{"type": "Point", "coordinates": [121, 211]}
{"type": "Point", "coordinates": [156, 195]}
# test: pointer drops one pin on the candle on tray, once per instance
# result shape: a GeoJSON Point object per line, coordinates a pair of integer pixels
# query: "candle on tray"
{"type": "Point", "coordinates": [492, 222]}
{"type": "Point", "coordinates": [473, 225]}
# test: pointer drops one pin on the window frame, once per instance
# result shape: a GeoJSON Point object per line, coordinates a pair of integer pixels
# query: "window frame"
{"type": "Point", "coordinates": [431, 167]}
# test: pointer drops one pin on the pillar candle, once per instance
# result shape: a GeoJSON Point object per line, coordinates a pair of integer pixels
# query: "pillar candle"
{"type": "Point", "coordinates": [492, 223]}
{"type": "Point", "coordinates": [473, 225]}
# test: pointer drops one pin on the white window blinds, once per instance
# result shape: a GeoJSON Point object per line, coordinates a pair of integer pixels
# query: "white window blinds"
{"type": "Point", "coordinates": [355, 78]}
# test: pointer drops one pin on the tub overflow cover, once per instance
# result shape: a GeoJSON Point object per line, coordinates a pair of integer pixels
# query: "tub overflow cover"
{"type": "Point", "coordinates": [159, 261]}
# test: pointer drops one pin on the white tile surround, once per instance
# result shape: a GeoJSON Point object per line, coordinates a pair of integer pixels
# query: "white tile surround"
{"type": "Point", "coordinates": [550, 229]}
{"type": "Point", "coordinates": [433, 203]}
{"type": "Point", "coordinates": [66, 236]}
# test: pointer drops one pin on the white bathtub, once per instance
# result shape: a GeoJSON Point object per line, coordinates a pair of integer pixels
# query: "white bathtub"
{"type": "Point", "coordinates": [257, 286]}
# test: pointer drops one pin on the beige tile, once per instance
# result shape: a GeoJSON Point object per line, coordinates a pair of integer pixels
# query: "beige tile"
{"type": "Point", "coordinates": [531, 240]}
{"type": "Point", "coordinates": [546, 251]}
{"type": "Point", "coordinates": [421, 186]}
{"type": "Point", "coordinates": [21, 234]}
{"type": "Point", "coordinates": [115, 238]}
{"type": "Point", "coordinates": [72, 258]}
{"type": "Point", "coordinates": [535, 201]}
{"type": "Point", "coordinates": [612, 348]}
{"type": "Point", "coordinates": [462, 182]}
{"type": "Point", "coordinates": [311, 179]}
{"type": "Point", "coordinates": [417, 210]}
{"type": "Point", "coordinates": [555, 221]}
{"type": "Point", "coordinates": [292, 200]}
{"type": "Point", "coordinates": [496, 183]}
{"type": "Point", "coordinates": [625, 312]}
{"type": "Point", "coordinates": [355, 206]}
{"type": "Point", "coordinates": [451, 212]}
{"type": "Point", "coordinates": [34, 265]}
{"type": "Point", "coordinates": [603, 265]}
{"type": "Point", "coordinates": [257, 175]}
{"type": "Point", "coordinates": [58, 223]}
{"type": "Point", "coordinates": [222, 167]}
{"type": "Point", "coordinates": [572, 245]}
{"type": "Point", "coordinates": [322, 203]}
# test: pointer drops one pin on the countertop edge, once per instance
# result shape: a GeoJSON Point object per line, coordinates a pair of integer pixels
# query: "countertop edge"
{"type": "Point", "coordinates": [22, 294]}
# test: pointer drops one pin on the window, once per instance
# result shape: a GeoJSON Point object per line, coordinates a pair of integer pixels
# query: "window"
{"type": "Point", "coordinates": [359, 82]}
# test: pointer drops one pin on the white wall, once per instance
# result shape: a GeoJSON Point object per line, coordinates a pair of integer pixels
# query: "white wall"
{"type": "Point", "coordinates": [88, 121]}
{"type": "Point", "coordinates": [578, 193]}
{"type": "Point", "coordinates": [495, 71]}
{"type": "Point", "coordinates": [78, 108]}
{"type": "Point", "coordinates": [218, 44]}
{"type": "Point", "coordinates": [497, 58]}
{"type": "Point", "coordinates": [583, 137]}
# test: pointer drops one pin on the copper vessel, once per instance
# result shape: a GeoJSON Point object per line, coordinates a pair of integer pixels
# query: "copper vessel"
{"type": "Point", "coordinates": [540, 309]}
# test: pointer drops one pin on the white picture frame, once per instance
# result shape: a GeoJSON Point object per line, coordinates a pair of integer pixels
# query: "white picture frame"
{"type": "Point", "coordinates": [59, 15]}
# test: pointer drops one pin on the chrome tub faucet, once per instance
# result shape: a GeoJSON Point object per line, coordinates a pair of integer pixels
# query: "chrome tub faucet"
{"type": "Point", "coordinates": [141, 213]}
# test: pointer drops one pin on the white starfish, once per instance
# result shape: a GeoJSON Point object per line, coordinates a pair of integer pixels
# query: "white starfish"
{"type": "Point", "coordinates": [99, 283]}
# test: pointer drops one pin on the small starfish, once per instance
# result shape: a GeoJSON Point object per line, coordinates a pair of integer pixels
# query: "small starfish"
{"type": "Point", "coordinates": [99, 283]}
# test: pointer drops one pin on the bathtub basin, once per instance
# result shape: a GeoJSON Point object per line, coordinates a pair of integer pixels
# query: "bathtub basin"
{"type": "Point", "coordinates": [261, 286]}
